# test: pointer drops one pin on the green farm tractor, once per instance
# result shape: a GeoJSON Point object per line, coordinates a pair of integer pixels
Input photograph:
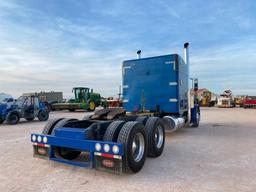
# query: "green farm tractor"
{"type": "Point", "coordinates": [85, 99]}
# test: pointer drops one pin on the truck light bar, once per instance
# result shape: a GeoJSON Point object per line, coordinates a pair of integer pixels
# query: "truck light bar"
{"type": "Point", "coordinates": [108, 155]}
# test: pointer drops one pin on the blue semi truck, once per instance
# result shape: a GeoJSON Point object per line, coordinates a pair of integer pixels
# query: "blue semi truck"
{"type": "Point", "coordinates": [156, 98]}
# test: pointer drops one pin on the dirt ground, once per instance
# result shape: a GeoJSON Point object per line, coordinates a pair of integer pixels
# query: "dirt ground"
{"type": "Point", "coordinates": [220, 155]}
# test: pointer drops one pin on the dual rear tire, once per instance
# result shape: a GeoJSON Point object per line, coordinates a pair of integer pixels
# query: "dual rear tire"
{"type": "Point", "coordinates": [63, 152]}
{"type": "Point", "coordinates": [138, 140]}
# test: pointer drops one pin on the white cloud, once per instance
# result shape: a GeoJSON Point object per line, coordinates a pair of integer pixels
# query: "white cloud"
{"type": "Point", "coordinates": [226, 67]}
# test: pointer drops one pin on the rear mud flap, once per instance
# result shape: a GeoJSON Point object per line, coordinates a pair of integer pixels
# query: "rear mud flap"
{"type": "Point", "coordinates": [111, 165]}
{"type": "Point", "coordinates": [41, 151]}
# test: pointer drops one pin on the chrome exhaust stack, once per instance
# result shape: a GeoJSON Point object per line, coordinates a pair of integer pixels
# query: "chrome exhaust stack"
{"type": "Point", "coordinates": [174, 123]}
{"type": "Point", "coordinates": [186, 60]}
{"type": "Point", "coordinates": [138, 54]}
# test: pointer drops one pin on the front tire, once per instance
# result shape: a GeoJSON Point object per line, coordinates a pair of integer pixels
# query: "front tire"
{"type": "Point", "coordinates": [196, 123]}
{"type": "Point", "coordinates": [12, 118]}
{"type": "Point", "coordinates": [133, 137]}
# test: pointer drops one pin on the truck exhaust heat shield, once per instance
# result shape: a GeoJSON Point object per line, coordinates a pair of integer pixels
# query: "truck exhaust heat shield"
{"type": "Point", "coordinates": [173, 123]}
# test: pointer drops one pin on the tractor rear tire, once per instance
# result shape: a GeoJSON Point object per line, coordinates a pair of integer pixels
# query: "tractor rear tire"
{"type": "Point", "coordinates": [43, 115]}
{"type": "Point", "coordinates": [155, 129]}
{"type": "Point", "coordinates": [91, 106]}
{"type": "Point", "coordinates": [12, 118]}
{"type": "Point", "coordinates": [63, 152]}
{"type": "Point", "coordinates": [49, 126]}
{"type": "Point", "coordinates": [134, 139]}
{"type": "Point", "coordinates": [113, 130]}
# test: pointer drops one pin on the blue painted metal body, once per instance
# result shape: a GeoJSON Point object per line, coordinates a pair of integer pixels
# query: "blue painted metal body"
{"type": "Point", "coordinates": [156, 84]}
{"type": "Point", "coordinates": [4, 109]}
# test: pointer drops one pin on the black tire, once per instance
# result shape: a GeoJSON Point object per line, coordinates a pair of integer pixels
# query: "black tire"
{"type": "Point", "coordinates": [126, 137]}
{"type": "Point", "coordinates": [113, 130]}
{"type": "Point", "coordinates": [30, 119]}
{"type": "Point", "coordinates": [87, 117]}
{"type": "Point", "coordinates": [43, 115]}
{"type": "Point", "coordinates": [91, 106]}
{"type": "Point", "coordinates": [63, 152]}
{"type": "Point", "coordinates": [12, 118]}
{"type": "Point", "coordinates": [63, 122]}
{"type": "Point", "coordinates": [1, 120]}
{"type": "Point", "coordinates": [155, 129]}
{"type": "Point", "coordinates": [196, 124]}
{"type": "Point", "coordinates": [48, 106]}
{"type": "Point", "coordinates": [49, 126]}
{"type": "Point", "coordinates": [72, 110]}
{"type": "Point", "coordinates": [142, 119]}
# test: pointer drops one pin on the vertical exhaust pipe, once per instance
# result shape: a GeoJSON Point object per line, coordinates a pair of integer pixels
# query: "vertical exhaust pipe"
{"type": "Point", "coordinates": [186, 53]}
{"type": "Point", "coordinates": [186, 60]}
{"type": "Point", "coordinates": [138, 54]}
{"type": "Point", "coordinates": [174, 123]}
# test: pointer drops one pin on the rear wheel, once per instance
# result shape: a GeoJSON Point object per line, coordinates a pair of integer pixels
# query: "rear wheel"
{"type": "Point", "coordinates": [71, 110]}
{"type": "Point", "coordinates": [142, 119]}
{"type": "Point", "coordinates": [50, 125]}
{"type": "Point", "coordinates": [91, 106]}
{"type": "Point", "coordinates": [134, 139]}
{"type": "Point", "coordinates": [113, 130]}
{"type": "Point", "coordinates": [43, 115]}
{"type": "Point", "coordinates": [12, 118]}
{"type": "Point", "coordinates": [156, 136]}
{"type": "Point", "coordinates": [66, 153]}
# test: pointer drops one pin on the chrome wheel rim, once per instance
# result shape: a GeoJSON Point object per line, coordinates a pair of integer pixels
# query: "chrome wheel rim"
{"type": "Point", "coordinates": [138, 147]}
{"type": "Point", "coordinates": [159, 137]}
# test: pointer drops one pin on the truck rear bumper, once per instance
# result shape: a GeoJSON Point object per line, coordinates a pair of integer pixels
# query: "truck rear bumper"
{"type": "Point", "coordinates": [102, 155]}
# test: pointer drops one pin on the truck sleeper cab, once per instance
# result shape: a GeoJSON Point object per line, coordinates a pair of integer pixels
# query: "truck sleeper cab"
{"type": "Point", "coordinates": [156, 98]}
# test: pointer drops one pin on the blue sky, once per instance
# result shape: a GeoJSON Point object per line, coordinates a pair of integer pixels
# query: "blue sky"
{"type": "Point", "coordinates": [55, 45]}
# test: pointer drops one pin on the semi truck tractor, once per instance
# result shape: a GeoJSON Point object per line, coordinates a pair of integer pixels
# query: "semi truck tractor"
{"type": "Point", "coordinates": [156, 98]}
